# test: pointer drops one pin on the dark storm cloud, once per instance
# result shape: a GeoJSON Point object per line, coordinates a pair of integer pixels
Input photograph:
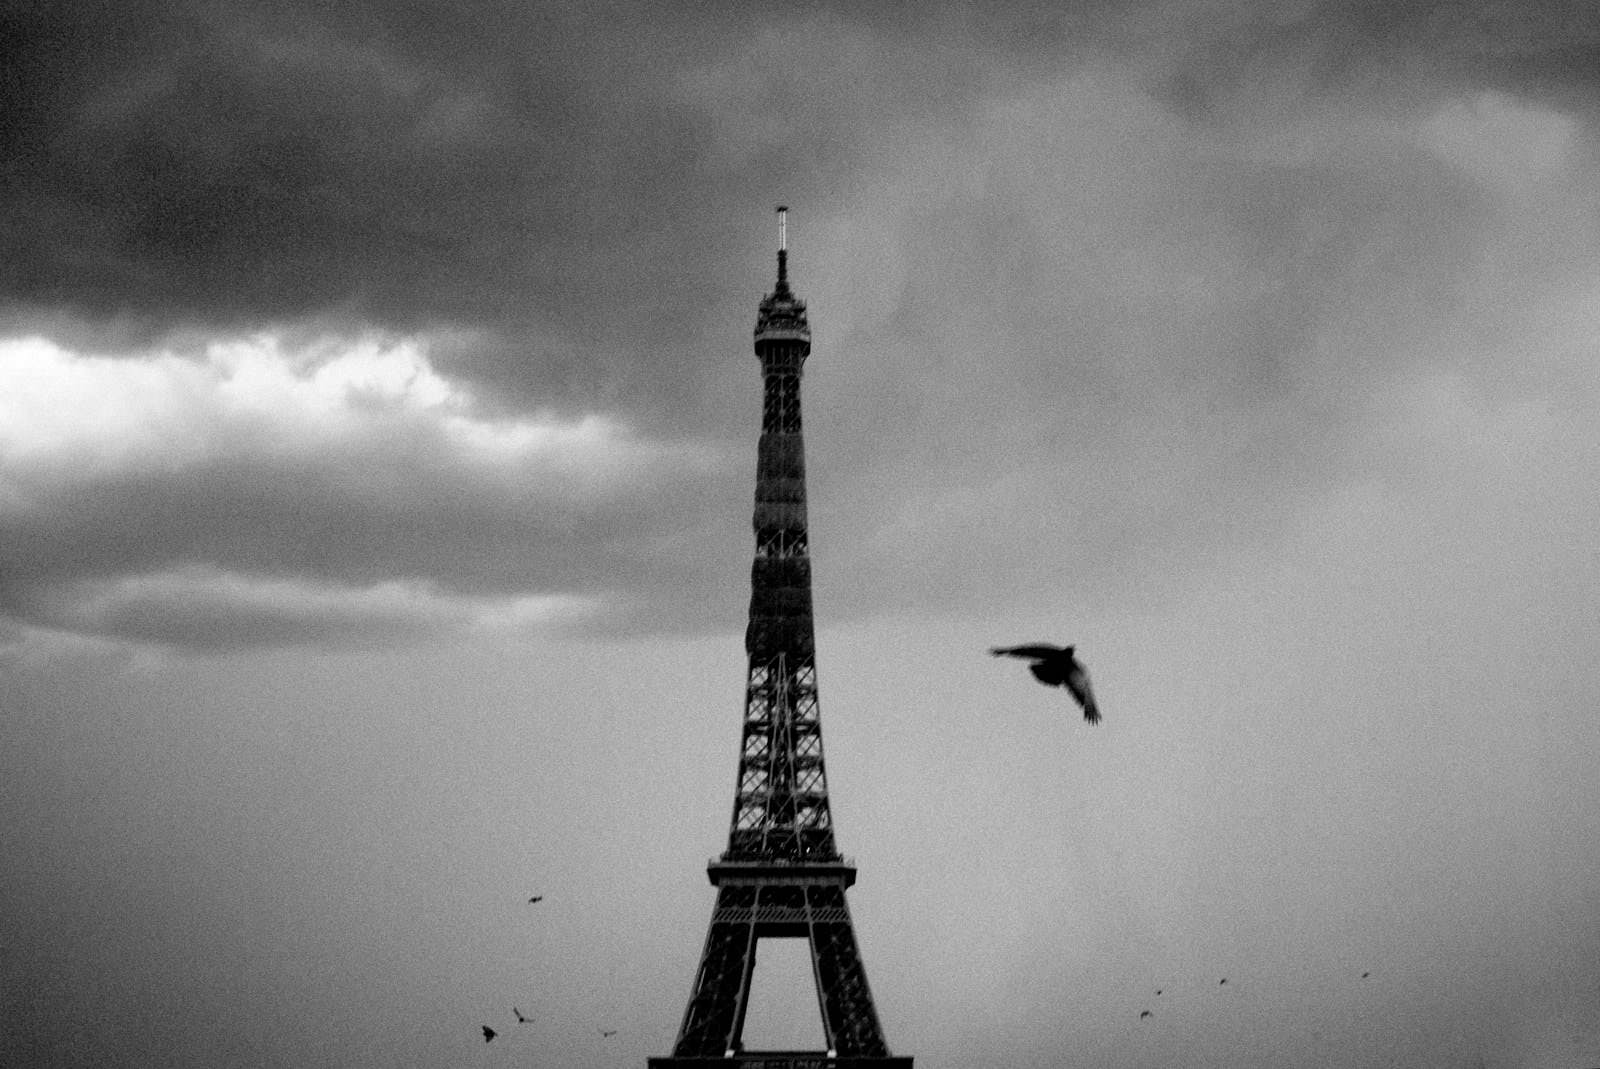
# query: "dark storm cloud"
{"type": "Point", "coordinates": [514, 165]}
{"type": "Point", "coordinates": [525, 169]}
{"type": "Point", "coordinates": [1141, 254]}
{"type": "Point", "coordinates": [254, 167]}
{"type": "Point", "coordinates": [533, 174]}
{"type": "Point", "coordinates": [536, 170]}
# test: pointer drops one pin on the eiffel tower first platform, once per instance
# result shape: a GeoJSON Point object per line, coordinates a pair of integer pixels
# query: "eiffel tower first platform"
{"type": "Point", "coordinates": [781, 876]}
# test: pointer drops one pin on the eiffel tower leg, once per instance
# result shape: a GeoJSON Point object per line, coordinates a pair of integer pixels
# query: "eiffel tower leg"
{"type": "Point", "coordinates": [714, 1020]}
{"type": "Point", "coordinates": [848, 1014]}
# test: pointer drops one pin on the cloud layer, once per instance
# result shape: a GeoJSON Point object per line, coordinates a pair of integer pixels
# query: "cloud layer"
{"type": "Point", "coordinates": [1109, 290]}
{"type": "Point", "coordinates": [345, 493]}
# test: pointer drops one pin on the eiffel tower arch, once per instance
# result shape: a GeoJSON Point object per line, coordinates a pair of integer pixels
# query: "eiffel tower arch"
{"type": "Point", "coordinates": [781, 876]}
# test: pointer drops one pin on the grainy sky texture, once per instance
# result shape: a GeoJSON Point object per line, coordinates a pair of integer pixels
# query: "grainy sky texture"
{"type": "Point", "coordinates": [377, 440]}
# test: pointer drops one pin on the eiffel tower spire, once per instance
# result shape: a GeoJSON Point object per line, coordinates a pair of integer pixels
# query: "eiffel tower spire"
{"type": "Point", "coordinates": [782, 874]}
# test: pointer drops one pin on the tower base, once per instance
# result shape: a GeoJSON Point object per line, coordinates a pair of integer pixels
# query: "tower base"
{"type": "Point", "coordinates": [779, 1059]}
{"type": "Point", "coordinates": [764, 899]}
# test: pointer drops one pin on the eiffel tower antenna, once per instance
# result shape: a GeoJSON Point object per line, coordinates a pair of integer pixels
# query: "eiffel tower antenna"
{"type": "Point", "coordinates": [782, 287]}
{"type": "Point", "coordinates": [782, 874]}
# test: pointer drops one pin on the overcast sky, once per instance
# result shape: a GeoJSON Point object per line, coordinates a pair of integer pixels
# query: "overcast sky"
{"type": "Point", "coordinates": [377, 443]}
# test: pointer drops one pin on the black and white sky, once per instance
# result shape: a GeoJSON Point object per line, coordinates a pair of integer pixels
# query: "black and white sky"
{"type": "Point", "coordinates": [377, 427]}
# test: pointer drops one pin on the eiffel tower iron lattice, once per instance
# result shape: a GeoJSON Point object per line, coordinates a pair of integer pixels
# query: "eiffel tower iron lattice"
{"type": "Point", "coordinates": [782, 875]}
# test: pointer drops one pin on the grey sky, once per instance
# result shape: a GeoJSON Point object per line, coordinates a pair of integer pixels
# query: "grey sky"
{"type": "Point", "coordinates": [377, 422]}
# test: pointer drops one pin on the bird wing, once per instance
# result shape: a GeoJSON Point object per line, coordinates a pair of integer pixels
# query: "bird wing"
{"type": "Point", "coordinates": [1047, 672]}
{"type": "Point", "coordinates": [1077, 681]}
{"type": "Point", "coordinates": [1037, 651]}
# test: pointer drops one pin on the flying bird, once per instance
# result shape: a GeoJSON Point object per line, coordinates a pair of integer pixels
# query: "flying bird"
{"type": "Point", "coordinates": [1222, 981]}
{"type": "Point", "coordinates": [1143, 1014]}
{"type": "Point", "coordinates": [521, 1019]}
{"type": "Point", "coordinates": [535, 898]}
{"type": "Point", "coordinates": [1365, 975]}
{"type": "Point", "coordinates": [1055, 666]}
{"type": "Point", "coordinates": [607, 1033]}
{"type": "Point", "coordinates": [488, 1034]}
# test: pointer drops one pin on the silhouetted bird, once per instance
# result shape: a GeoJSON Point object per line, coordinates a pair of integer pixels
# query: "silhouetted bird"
{"type": "Point", "coordinates": [536, 898]}
{"type": "Point", "coordinates": [1222, 981]}
{"type": "Point", "coordinates": [1158, 991]}
{"type": "Point", "coordinates": [1143, 1014]}
{"type": "Point", "coordinates": [1055, 666]}
{"type": "Point", "coordinates": [607, 1034]}
{"type": "Point", "coordinates": [520, 1019]}
{"type": "Point", "coordinates": [488, 1034]}
{"type": "Point", "coordinates": [1365, 975]}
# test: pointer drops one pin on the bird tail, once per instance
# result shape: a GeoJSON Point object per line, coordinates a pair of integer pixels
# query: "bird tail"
{"type": "Point", "coordinates": [1091, 712]}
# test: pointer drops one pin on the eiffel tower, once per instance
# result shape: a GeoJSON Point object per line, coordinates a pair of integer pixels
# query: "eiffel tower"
{"type": "Point", "coordinates": [782, 875]}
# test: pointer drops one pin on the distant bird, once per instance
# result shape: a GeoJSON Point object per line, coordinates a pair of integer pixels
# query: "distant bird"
{"type": "Point", "coordinates": [1365, 975]}
{"type": "Point", "coordinates": [521, 1019]}
{"type": "Point", "coordinates": [1055, 666]}
{"type": "Point", "coordinates": [488, 1034]}
{"type": "Point", "coordinates": [1158, 991]}
{"type": "Point", "coordinates": [1222, 981]}
{"type": "Point", "coordinates": [607, 1033]}
{"type": "Point", "coordinates": [1143, 1014]}
{"type": "Point", "coordinates": [535, 898]}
